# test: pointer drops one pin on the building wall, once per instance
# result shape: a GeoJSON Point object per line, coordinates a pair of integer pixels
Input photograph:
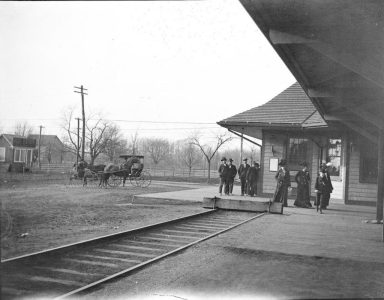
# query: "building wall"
{"type": "Point", "coordinates": [359, 193]}
{"type": "Point", "coordinates": [8, 150]}
{"type": "Point", "coordinates": [274, 146]}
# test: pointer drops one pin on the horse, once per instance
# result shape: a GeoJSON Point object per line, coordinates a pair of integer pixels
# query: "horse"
{"type": "Point", "coordinates": [83, 170]}
{"type": "Point", "coordinates": [124, 170]}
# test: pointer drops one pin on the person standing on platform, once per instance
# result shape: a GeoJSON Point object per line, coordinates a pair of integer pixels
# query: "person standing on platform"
{"type": "Point", "coordinates": [223, 173]}
{"type": "Point", "coordinates": [243, 169]}
{"type": "Point", "coordinates": [321, 190]}
{"type": "Point", "coordinates": [232, 171]}
{"type": "Point", "coordinates": [283, 179]}
{"type": "Point", "coordinates": [252, 178]}
{"type": "Point", "coordinates": [303, 183]}
{"type": "Point", "coordinates": [327, 187]}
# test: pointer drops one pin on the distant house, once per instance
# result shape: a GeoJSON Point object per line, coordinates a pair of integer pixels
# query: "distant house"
{"type": "Point", "coordinates": [52, 150]}
{"type": "Point", "coordinates": [16, 152]}
{"type": "Point", "coordinates": [290, 127]}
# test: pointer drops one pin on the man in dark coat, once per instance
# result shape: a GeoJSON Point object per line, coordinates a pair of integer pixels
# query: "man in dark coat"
{"type": "Point", "coordinates": [243, 169]}
{"type": "Point", "coordinates": [232, 171]}
{"type": "Point", "coordinates": [252, 178]}
{"type": "Point", "coordinates": [223, 173]}
{"type": "Point", "coordinates": [327, 187]}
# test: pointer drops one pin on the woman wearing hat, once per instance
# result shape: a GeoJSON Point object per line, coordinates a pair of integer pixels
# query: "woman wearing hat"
{"type": "Point", "coordinates": [303, 182]}
{"type": "Point", "coordinates": [283, 179]}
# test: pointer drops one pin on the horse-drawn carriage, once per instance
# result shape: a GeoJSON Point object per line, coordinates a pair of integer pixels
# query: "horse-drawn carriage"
{"type": "Point", "coordinates": [114, 175]}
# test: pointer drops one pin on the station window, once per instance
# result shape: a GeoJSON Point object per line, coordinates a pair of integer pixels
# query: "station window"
{"type": "Point", "coordinates": [334, 156]}
{"type": "Point", "coordinates": [2, 154]}
{"type": "Point", "coordinates": [20, 155]}
{"type": "Point", "coordinates": [368, 163]}
{"type": "Point", "coordinates": [297, 151]}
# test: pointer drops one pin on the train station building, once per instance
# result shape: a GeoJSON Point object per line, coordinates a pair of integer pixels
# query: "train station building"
{"type": "Point", "coordinates": [338, 63]}
{"type": "Point", "coordinates": [290, 127]}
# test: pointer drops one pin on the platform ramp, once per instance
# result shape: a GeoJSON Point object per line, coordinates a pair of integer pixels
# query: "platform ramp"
{"type": "Point", "coordinates": [243, 204]}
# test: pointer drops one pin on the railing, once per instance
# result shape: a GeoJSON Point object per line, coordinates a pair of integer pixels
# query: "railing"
{"type": "Point", "coordinates": [56, 171]}
{"type": "Point", "coordinates": [181, 172]}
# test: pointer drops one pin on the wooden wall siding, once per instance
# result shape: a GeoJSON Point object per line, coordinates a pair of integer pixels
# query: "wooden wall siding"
{"type": "Point", "coordinates": [277, 141]}
{"type": "Point", "coordinates": [359, 191]}
{"type": "Point", "coordinates": [8, 150]}
{"type": "Point", "coordinates": [269, 182]}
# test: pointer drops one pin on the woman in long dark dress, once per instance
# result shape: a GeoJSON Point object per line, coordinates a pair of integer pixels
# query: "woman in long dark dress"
{"type": "Point", "coordinates": [283, 179]}
{"type": "Point", "coordinates": [303, 181]}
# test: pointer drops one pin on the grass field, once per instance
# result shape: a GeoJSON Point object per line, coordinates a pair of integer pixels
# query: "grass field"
{"type": "Point", "coordinates": [38, 216]}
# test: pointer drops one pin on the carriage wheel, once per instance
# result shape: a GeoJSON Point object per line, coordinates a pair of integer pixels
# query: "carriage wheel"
{"type": "Point", "coordinates": [133, 177]}
{"type": "Point", "coordinates": [114, 180]}
{"type": "Point", "coordinates": [144, 180]}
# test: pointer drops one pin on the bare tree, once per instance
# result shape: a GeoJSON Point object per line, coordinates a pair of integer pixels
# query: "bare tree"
{"type": "Point", "coordinates": [23, 129]}
{"type": "Point", "coordinates": [115, 144]}
{"type": "Point", "coordinates": [158, 149]}
{"type": "Point", "coordinates": [189, 156]}
{"type": "Point", "coordinates": [134, 143]}
{"type": "Point", "coordinates": [70, 128]}
{"type": "Point", "coordinates": [208, 150]}
{"type": "Point", "coordinates": [100, 136]}
{"type": "Point", "coordinates": [97, 137]}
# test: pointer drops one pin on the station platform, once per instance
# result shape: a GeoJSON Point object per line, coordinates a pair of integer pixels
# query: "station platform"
{"type": "Point", "coordinates": [300, 254]}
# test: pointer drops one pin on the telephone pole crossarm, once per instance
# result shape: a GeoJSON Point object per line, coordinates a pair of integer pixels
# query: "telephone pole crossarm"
{"type": "Point", "coordinates": [82, 89]}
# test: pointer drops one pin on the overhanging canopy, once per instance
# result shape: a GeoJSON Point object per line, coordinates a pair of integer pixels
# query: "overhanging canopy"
{"type": "Point", "coordinates": [335, 49]}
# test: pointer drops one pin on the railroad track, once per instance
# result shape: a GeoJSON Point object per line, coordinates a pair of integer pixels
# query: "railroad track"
{"type": "Point", "coordinates": [76, 268]}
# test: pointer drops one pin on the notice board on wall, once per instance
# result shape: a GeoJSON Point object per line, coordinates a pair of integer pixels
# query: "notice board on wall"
{"type": "Point", "coordinates": [273, 164]}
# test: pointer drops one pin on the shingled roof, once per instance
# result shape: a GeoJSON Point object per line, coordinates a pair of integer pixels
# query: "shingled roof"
{"type": "Point", "coordinates": [290, 107]}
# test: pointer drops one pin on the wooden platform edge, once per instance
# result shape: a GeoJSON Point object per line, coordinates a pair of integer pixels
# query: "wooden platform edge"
{"type": "Point", "coordinates": [243, 205]}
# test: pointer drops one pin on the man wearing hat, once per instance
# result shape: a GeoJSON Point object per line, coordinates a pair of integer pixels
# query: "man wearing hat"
{"type": "Point", "coordinates": [243, 170]}
{"type": "Point", "coordinates": [223, 173]}
{"type": "Point", "coordinates": [283, 179]}
{"type": "Point", "coordinates": [252, 178]}
{"type": "Point", "coordinates": [328, 188]}
{"type": "Point", "coordinates": [231, 177]}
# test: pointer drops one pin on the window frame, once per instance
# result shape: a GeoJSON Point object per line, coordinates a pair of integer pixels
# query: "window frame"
{"type": "Point", "coordinates": [366, 155]}
{"type": "Point", "coordinates": [2, 149]}
{"type": "Point", "coordinates": [295, 163]}
{"type": "Point", "coordinates": [20, 156]}
{"type": "Point", "coordinates": [339, 156]}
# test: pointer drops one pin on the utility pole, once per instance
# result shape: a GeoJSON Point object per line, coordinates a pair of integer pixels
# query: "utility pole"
{"type": "Point", "coordinates": [82, 89]}
{"type": "Point", "coordinates": [39, 147]}
{"type": "Point", "coordinates": [78, 142]}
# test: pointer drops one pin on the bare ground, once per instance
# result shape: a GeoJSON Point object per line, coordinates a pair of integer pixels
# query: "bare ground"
{"type": "Point", "coordinates": [42, 216]}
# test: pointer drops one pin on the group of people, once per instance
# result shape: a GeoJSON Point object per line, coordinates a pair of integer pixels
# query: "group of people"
{"type": "Point", "coordinates": [248, 176]}
{"type": "Point", "coordinates": [323, 186]}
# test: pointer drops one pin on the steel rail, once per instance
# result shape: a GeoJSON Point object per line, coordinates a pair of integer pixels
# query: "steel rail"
{"type": "Point", "coordinates": [108, 236]}
{"type": "Point", "coordinates": [166, 234]}
{"type": "Point", "coordinates": [155, 259]}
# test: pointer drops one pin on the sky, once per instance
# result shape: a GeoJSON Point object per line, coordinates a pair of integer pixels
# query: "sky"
{"type": "Point", "coordinates": [161, 68]}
